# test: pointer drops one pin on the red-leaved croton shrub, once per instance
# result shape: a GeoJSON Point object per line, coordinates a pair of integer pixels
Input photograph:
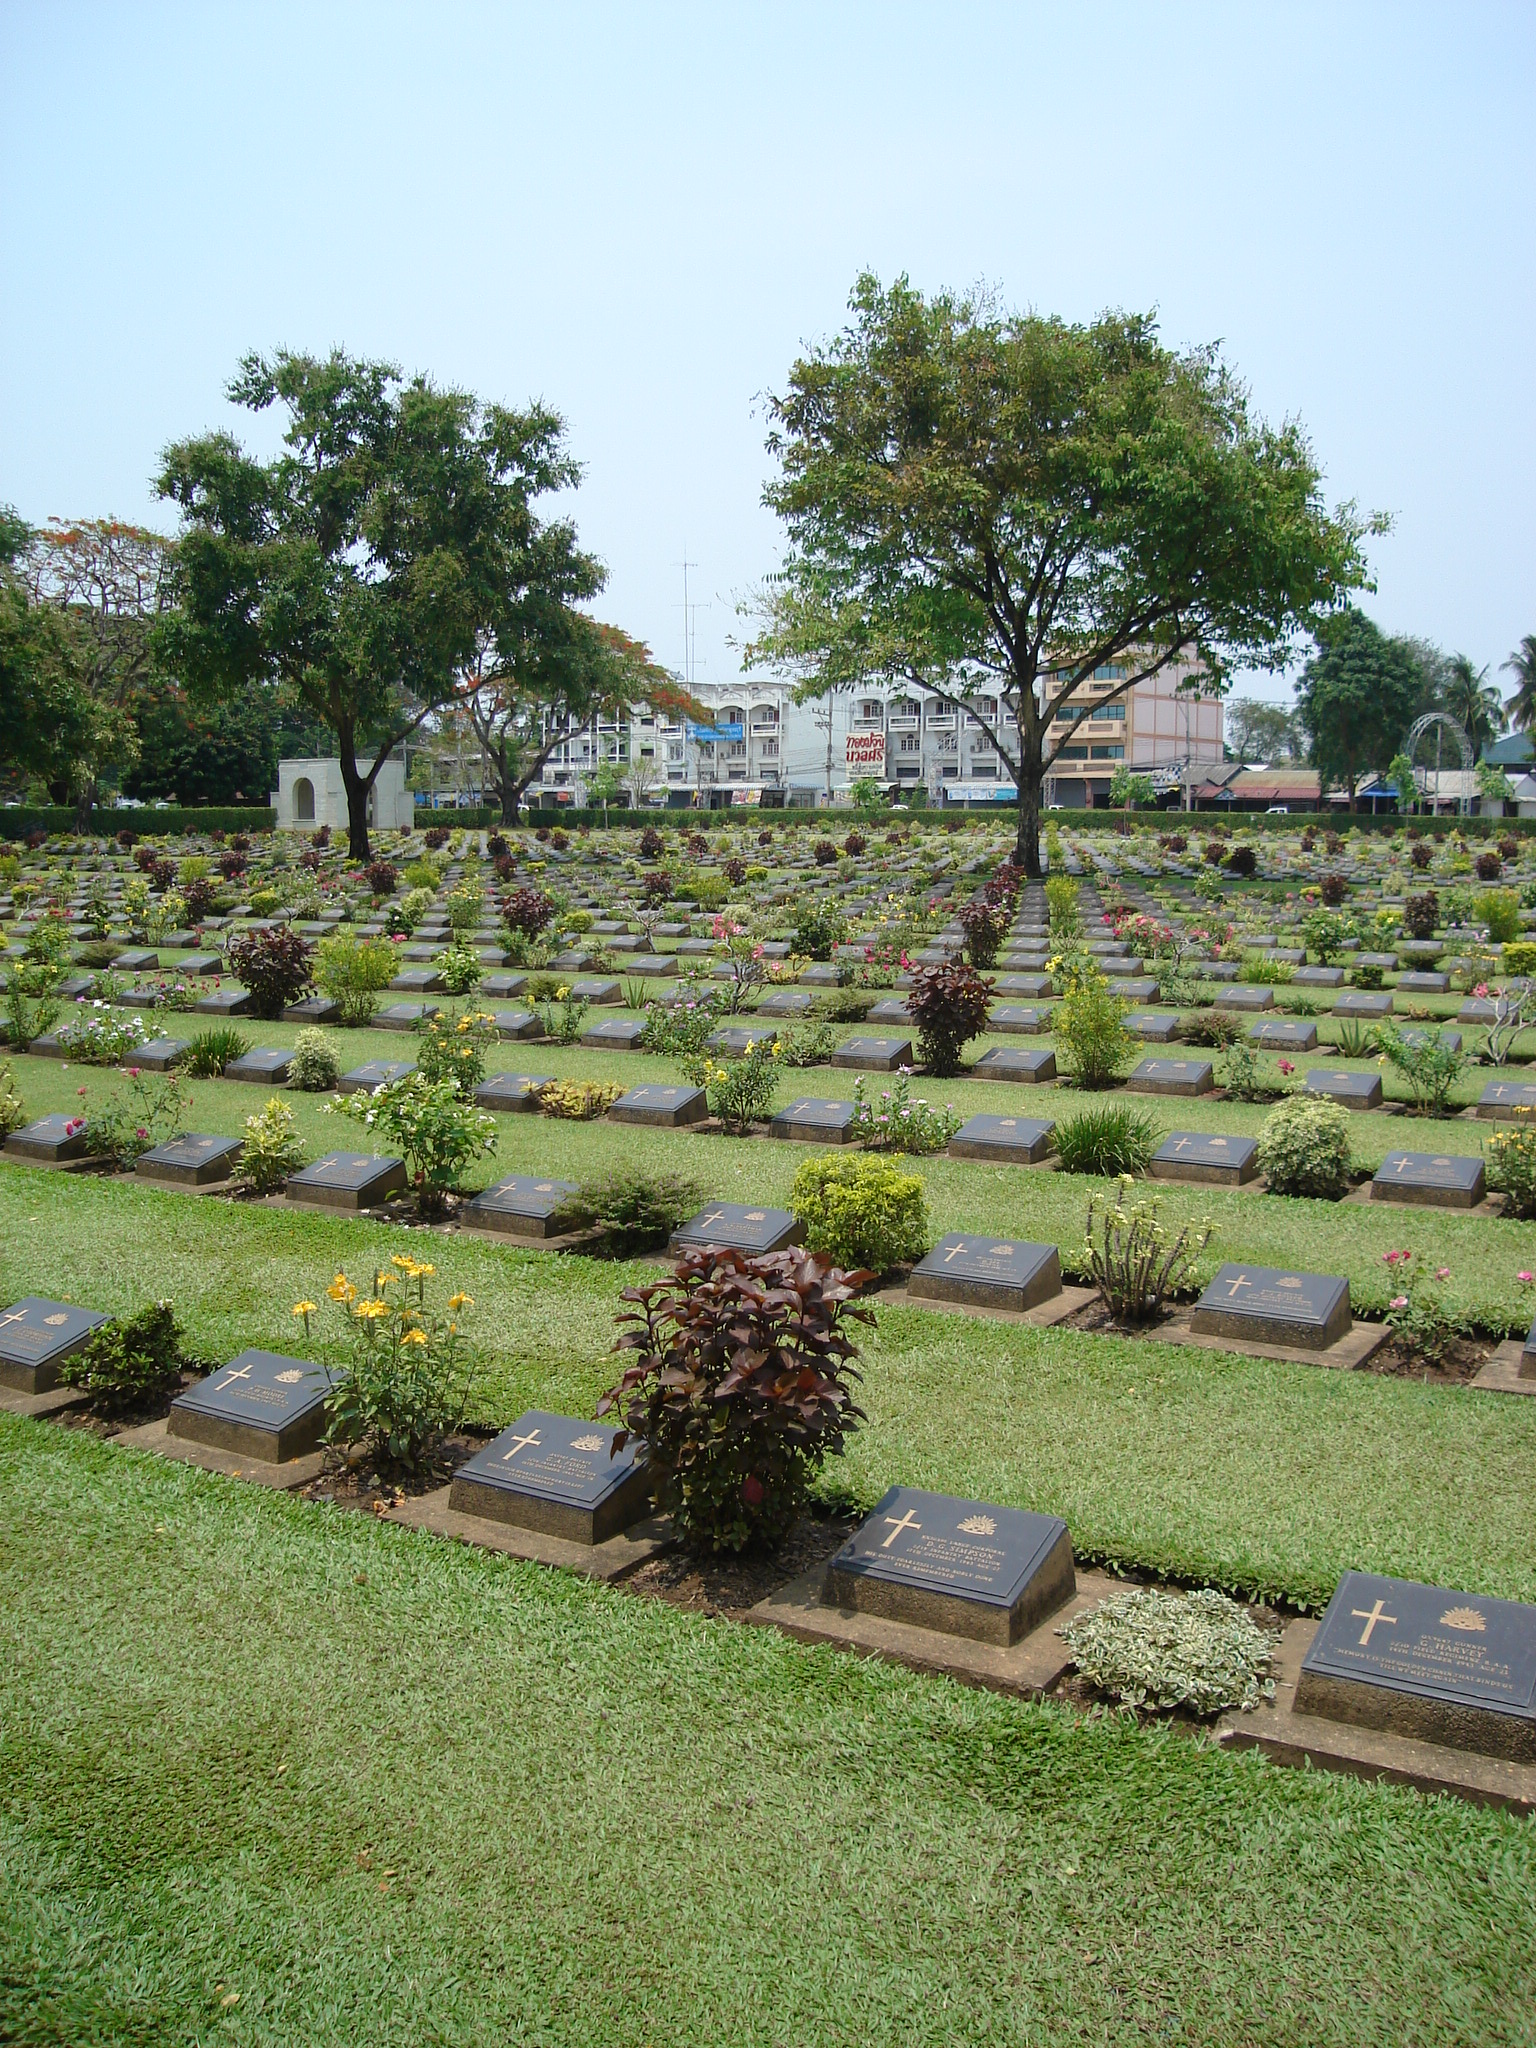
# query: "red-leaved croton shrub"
{"type": "Point", "coordinates": [527, 911]}
{"type": "Point", "coordinates": [739, 1385]}
{"type": "Point", "coordinates": [949, 1005]}
{"type": "Point", "coordinates": [382, 876]}
{"type": "Point", "coordinates": [985, 926]}
{"type": "Point", "coordinates": [273, 966]}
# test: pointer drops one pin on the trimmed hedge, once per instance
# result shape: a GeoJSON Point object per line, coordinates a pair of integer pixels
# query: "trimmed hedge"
{"type": "Point", "coordinates": [57, 819]}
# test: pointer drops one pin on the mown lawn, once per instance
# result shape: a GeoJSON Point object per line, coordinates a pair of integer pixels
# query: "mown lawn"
{"type": "Point", "coordinates": [1244, 1472]}
{"type": "Point", "coordinates": [277, 1774]}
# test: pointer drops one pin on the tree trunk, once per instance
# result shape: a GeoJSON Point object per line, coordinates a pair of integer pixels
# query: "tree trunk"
{"type": "Point", "coordinates": [357, 792]}
{"type": "Point", "coordinates": [1026, 851]}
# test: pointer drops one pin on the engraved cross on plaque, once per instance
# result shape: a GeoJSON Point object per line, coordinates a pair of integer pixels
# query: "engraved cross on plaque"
{"type": "Point", "coordinates": [520, 1443]}
{"type": "Point", "coordinates": [1233, 1285]}
{"type": "Point", "coordinates": [908, 1521]}
{"type": "Point", "coordinates": [1370, 1616]}
{"type": "Point", "coordinates": [954, 1252]}
{"type": "Point", "coordinates": [17, 1315]}
{"type": "Point", "coordinates": [231, 1376]}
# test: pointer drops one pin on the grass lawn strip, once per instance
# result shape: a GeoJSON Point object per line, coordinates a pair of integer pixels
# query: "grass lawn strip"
{"type": "Point", "coordinates": [376, 1788]}
{"type": "Point", "coordinates": [1253, 1474]}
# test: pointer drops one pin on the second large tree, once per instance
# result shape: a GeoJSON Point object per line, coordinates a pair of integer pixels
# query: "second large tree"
{"type": "Point", "coordinates": [977, 501]}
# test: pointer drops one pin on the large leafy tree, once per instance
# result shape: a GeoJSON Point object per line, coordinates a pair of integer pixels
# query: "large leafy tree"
{"type": "Point", "coordinates": [1522, 666]}
{"type": "Point", "coordinates": [205, 754]}
{"type": "Point", "coordinates": [1356, 699]}
{"type": "Point", "coordinates": [1257, 731]}
{"type": "Point", "coordinates": [47, 723]}
{"type": "Point", "coordinates": [544, 673]}
{"type": "Point", "coordinates": [976, 500]}
{"type": "Point", "coordinates": [362, 566]}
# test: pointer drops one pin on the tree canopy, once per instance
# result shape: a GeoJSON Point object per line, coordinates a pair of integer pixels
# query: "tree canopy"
{"type": "Point", "coordinates": [1522, 666]}
{"type": "Point", "coordinates": [978, 500]}
{"type": "Point", "coordinates": [1356, 698]}
{"type": "Point", "coordinates": [362, 568]}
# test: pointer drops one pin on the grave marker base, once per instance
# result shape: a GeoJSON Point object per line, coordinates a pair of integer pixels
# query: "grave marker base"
{"type": "Point", "coordinates": [609, 1561]}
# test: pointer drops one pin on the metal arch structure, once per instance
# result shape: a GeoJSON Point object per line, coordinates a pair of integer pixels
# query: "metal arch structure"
{"type": "Point", "coordinates": [1441, 722]}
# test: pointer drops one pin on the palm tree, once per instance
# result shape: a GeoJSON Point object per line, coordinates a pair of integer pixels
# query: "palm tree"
{"type": "Point", "coordinates": [1473, 701]}
{"type": "Point", "coordinates": [1521, 708]}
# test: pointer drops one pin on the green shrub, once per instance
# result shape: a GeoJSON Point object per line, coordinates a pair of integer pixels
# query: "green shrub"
{"type": "Point", "coordinates": [314, 1065]}
{"type": "Point", "coordinates": [949, 1004]}
{"type": "Point", "coordinates": [461, 969]}
{"type": "Point", "coordinates": [452, 1046]}
{"type": "Point", "coordinates": [740, 1385]}
{"type": "Point", "coordinates": [12, 1114]}
{"type": "Point", "coordinates": [132, 1362]}
{"type": "Point", "coordinates": [1325, 931]}
{"type": "Point", "coordinates": [819, 925]}
{"type": "Point", "coordinates": [407, 1371]}
{"type": "Point", "coordinates": [1134, 1261]}
{"type": "Point", "coordinates": [146, 1113]}
{"type": "Point", "coordinates": [1108, 1139]}
{"type": "Point", "coordinates": [860, 1211]}
{"type": "Point", "coordinates": [631, 1211]}
{"type": "Point", "coordinates": [1498, 911]}
{"type": "Point", "coordinates": [273, 1148]}
{"type": "Point", "coordinates": [1511, 1155]}
{"type": "Point", "coordinates": [426, 1122]}
{"type": "Point", "coordinates": [1304, 1148]}
{"type": "Point", "coordinates": [1430, 1065]}
{"type": "Point", "coordinates": [209, 1052]}
{"type": "Point", "coordinates": [1066, 919]}
{"type": "Point", "coordinates": [353, 971]}
{"type": "Point", "coordinates": [809, 1045]}
{"type": "Point", "coordinates": [1150, 1648]}
{"type": "Point", "coordinates": [740, 1092]}
{"type": "Point", "coordinates": [1089, 1025]}
{"type": "Point", "coordinates": [101, 1038]}
{"type": "Point", "coordinates": [421, 875]}
{"type": "Point", "coordinates": [579, 1102]}
{"type": "Point", "coordinates": [273, 966]}
{"type": "Point", "coordinates": [897, 1121]}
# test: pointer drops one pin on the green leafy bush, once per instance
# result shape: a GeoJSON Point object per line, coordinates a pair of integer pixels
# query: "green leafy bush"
{"type": "Point", "coordinates": [273, 966]}
{"type": "Point", "coordinates": [1089, 1025]}
{"type": "Point", "coordinates": [1519, 957]}
{"type": "Point", "coordinates": [453, 1045]}
{"type": "Point", "coordinates": [101, 1038]}
{"type": "Point", "coordinates": [808, 1045]}
{"type": "Point", "coordinates": [740, 1092]}
{"type": "Point", "coordinates": [819, 925]}
{"type": "Point", "coordinates": [148, 1112]}
{"type": "Point", "coordinates": [425, 1121]}
{"type": "Point", "coordinates": [897, 1121]}
{"type": "Point", "coordinates": [12, 1113]}
{"type": "Point", "coordinates": [1304, 1148]}
{"type": "Point", "coordinates": [1423, 1319]}
{"type": "Point", "coordinates": [353, 971]}
{"type": "Point", "coordinates": [1150, 1648]}
{"type": "Point", "coordinates": [1511, 1155]}
{"type": "Point", "coordinates": [739, 1384]}
{"type": "Point", "coordinates": [1430, 1065]}
{"type": "Point", "coordinates": [273, 1148]}
{"type": "Point", "coordinates": [1326, 932]}
{"type": "Point", "coordinates": [860, 1211]}
{"type": "Point", "coordinates": [460, 968]}
{"type": "Point", "coordinates": [1066, 919]}
{"type": "Point", "coordinates": [314, 1066]}
{"type": "Point", "coordinates": [631, 1211]}
{"type": "Point", "coordinates": [407, 1371]}
{"type": "Point", "coordinates": [133, 1362]}
{"type": "Point", "coordinates": [211, 1051]}
{"type": "Point", "coordinates": [1498, 911]}
{"type": "Point", "coordinates": [1108, 1139]}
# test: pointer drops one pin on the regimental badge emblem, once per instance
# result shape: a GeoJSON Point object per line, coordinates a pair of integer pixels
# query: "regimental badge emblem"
{"type": "Point", "coordinates": [754, 1216]}
{"type": "Point", "coordinates": [590, 1442]}
{"type": "Point", "coordinates": [1289, 1282]}
{"type": "Point", "coordinates": [288, 1379]}
{"type": "Point", "coordinates": [978, 1525]}
{"type": "Point", "coordinates": [1466, 1618]}
{"type": "Point", "coordinates": [55, 1322]}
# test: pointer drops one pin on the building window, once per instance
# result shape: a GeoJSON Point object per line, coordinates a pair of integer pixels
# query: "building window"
{"type": "Point", "coordinates": [1110, 672]}
{"type": "Point", "coordinates": [984, 771]}
{"type": "Point", "coordinates": [1072, 754]}
{"type": "Point", "coordinates": [1106, 753]}
{"type": "Point", "coordinates": [909, 743]}
{"type": "Point", "coordinates": [1107, 711]}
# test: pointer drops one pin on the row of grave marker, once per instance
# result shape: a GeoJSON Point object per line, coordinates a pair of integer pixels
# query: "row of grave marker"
{"type": "Point", "coordinates": [1441, 1665]}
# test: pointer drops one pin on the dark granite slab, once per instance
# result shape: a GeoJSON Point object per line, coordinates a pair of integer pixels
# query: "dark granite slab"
{"type": "Point", "coordinates": [737, 1226]}
{"type": "Point", "coordinates": [1217, 1158]}
{"type": "Point", "coordinates": [1430, 1179]}
{"type": "Point", "coordinates": [1015, 1063]}
{"type": "Point", "coordinates": [987, 1272]}
{"type": "Point", "coordinates": [558, 1475]}
{"type": "Point", "coordinates": [520, 1206]}
{"type": "Point", "coordinates": [261, 1405]}
{"type": "Point", "coordinates": [814, 1120]}
{"type": "Point", "coordinates": [1007, 1140]}
{"type": "Point", "coordinates": [1303, 1311]}
{"type": "Point", "coordinates": [346, 1180]}
{"type": "Point", "coordinates": [195, 1160]}
{"type": "Point", "coordinates": [664, 1107]}
{"type": "Point", "coordinates": [36, 1335]}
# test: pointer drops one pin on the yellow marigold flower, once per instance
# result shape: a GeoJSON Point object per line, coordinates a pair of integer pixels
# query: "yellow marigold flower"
{"type": "Point", "coordinates": [425, 1272]}
{"type": "Point", "coordinates": [370, 1311]}
{"type": "Point", "coordinates": [341, 1289]}
{"type": "Point", "coordinates": [403, 1260]}
{"type": "Point", "coordinates": [415, 1337]}
{"type": "Point", "coordinates": [303, 1308]}
{"type": "Point", "coordinates": [458, 1301]}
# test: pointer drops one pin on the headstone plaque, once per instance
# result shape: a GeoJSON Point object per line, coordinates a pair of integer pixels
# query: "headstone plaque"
{"type": "Point", "coordinates": [36, 1335]}
{"type": "Point", "coordinates": [1015, 1063]}
{"type": "Point", "coordinates": [737, 1226]}
{"type": "Point", "coordinates": [512, 1093]}
{"type": "Point", "coordinates": [962, 1567]}
{"type": "Point", "coordinates": [1155, 1027]}
{"type": "Point", "coordinates": [313, 1010]}
{"type": "Point", "coordinates": [1172, 1077]}
{"type": "Point", "coordinates": [1364, 1002]}
{"type": "Point", "coordinates": [1506, 1098]}
{"type": "Point", "coordinates": [1247, 997]}
{"type": "Point", "coordinates": [514, 1024]}
{"type": "Point", "coordinates": [260, 1405]}
{"type": "Point", "coordinates": [200, 963]}
{"type": "Point", "coordinates": [1436, 1180]}
{"type": "Point", "coordinates": [653, 966]}
{"type": "Point", "coordinates": [157, 1055]}
{"type": "Point", "coordinates": [404, 1016]}
{"type": "Point", "coordinates": [1014, 1017]}
{"type": "Point", "coordinates": [786, 1002]}
{"type": "Point", "coordinates": [889, 1010]}
{"type": "Point", "coordinates": [1138, 989]}
{"type": "Point", "coordinates": [1426, 1662]}
{"type": "Point", "coordinates": [1318, 977]}
{"type": "Point", "coordinates": [1421, 981]}
{"type": "Point", "coordinates": [197, 1159]}
{"type": "Point", "coordinates": [1023, 985]}
{"type": "Point", "coordinates": [615, 1034]}
{"type": "Point", "coordinates": [418, 981]}
{"type": "Point", "coordinates": [1007, 1140]}
{"type": "Point", "coordinates": [664, 1107]}
{"type": "Point", "coordinates": [520, 1205]}
{"type": "Point", "coordinates": [1339, 1084]}
{"type": "Point", "coordinates": [346, 1180]}
{"type": "Point", "coordinates": [736, 1040]}
{"type": "Point", "coordinates": [1285, 1034]}
{"type": "Point", "coordinates": [1216, 1158]}
{"type": "Point", "coordinates": [374, 1074]}
{"type": "Point", "coordinates": [557, 1476]}
{"type": "Point", "coordinates": [1415, 1034]}
{"type": "Point", "coordinates": [136, 960]}
{"type": "Point", "coordinates": [500, 986]}
{"type": "Point", "coordinates": [987, 1272]}
{"type": "Point", "coordinates": [49, 1141]}
{"type": "Point", "coordinates": [1266, 1305]}
{"type": "Point", "coordinates": [267, 1063]}
{"type": "Point", "coordinates": [597, 990]}
{"type": "Point", "coordinates": [815, 1120]}
{"type": "Point", "coordinates": [874, 1055]}
{"type": "Point", "coordinates": [223, 1002]}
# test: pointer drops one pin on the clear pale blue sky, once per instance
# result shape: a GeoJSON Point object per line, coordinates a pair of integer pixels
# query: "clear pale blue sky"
{"type": "Point", "coordinates": [640, 214]}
